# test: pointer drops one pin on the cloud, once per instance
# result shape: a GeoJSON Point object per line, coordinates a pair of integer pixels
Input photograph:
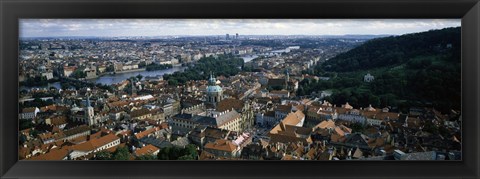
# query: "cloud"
{"type": "Point", "coordinates": [159, 27]}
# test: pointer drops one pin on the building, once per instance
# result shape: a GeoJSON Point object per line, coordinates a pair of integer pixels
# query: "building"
{"type": "Point", "coordinates": [80, 151]}
{"type": "Point", "coordinates": [368, 78]}
{"type": "Point", "coordinates": [147, 150]}
{"type": "Point", "coordinates": [290, 130]}
{"type": "Point", "coordinates": [48, 75]}
{"type": "Point", "coordinates": [85, 115]}
{"type": "Point", "coordinates": [90, 72]}
{"type": "Point", "coordinates": [29, 113]}
{"type": "Point", "coordinates": [266, 118]}
{"type": "Point", "coordinates": [67, 70]}
{"type": "Point", "coordinates": [89, 113]}
{"type": "Point", "coordinates": [229, 120]}
{"type": "Point", "coordinates": [376, 117]}
{"type": "Point", "coordinates": [202, 135]}
{"type": "Point", "coordinates": [76, 132]}
{"type": "Point", "coordinates": [353, 115]}
{"type": "Point", "coordinates": [279, 94]}
{"type": "Point", "coordinates": [184, 120]}
{"type": "Point", "coordinates": [317, 114]}
{"type": "Point", "coordinates": [243, 107]}
{"type": "Point", "coordinates": [222, 148]}
{"type": "Point", "coordinates": [214, 92]}
{"type": "Point", "coordinates": [140, 114]}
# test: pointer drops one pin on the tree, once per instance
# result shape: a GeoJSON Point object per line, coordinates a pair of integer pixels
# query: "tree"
{"type": "Point", "coordinates": [110, 68]}
{"type": "Point", "coordinates": [78, 74]}
{"type": "Point", "coordinates": [22, 139]}
{"type": "Point", "coordinates": [163, 154]}
{"type": "Point", "coordinates": [191, 150]}
{"type": "Point", "coordinates": [34, 133]}
{"type": "Point", "coordinates": [121, 154]}
{"type": "Point", "coordinates": [177, 153]}
{"type": "Point", "coordinates": [172, 82]}
{"type": "Point", "coordinates": [357, 127]}
{"type": "Point", "coordinates": [25, 124]}
{"type": "Point", "coordinates": [139, 77]}
{"type": "Point", "coordinates": [103, 155]}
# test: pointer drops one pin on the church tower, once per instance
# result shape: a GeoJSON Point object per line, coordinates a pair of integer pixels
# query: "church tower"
{"type": "Point", "coordinates": [134, 89]}
{"type": "Point", "coordinates": [214, 92]}
{"type": "Point", "coordinates": [89, 113]}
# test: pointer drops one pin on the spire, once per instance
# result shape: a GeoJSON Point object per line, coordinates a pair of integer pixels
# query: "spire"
{"type": "Point", "coordinates": [212, 80]}
{"type": "Point", "coordinates": [88, 101]}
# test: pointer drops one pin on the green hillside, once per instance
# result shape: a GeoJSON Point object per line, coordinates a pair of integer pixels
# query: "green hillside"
{"type": "Point", "coordinates": [393, 50]}
{"type": "Point", "coordinates": [420, 69]}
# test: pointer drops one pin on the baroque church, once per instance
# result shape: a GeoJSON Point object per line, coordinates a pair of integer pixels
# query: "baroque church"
{"type": "Point", "coordinates": [214, 92]}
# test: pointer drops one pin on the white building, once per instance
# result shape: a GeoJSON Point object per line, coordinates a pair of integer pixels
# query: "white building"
{"type": "Point", "coordinates": [29, 113]}
{"type": "Point", "coordinates": [368, 78]}
{"type": "Point", "coordinates": [94, 145]}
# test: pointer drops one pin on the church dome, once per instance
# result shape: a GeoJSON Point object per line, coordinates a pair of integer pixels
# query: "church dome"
{"type": "Point", "coordinates": [214, 89]}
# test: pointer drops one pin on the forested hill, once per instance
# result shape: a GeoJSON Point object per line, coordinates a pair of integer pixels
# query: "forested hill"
{"type": "Point", "coordinates": [413, 70]}
{"type": "Point", "coordinates": [394, 50]}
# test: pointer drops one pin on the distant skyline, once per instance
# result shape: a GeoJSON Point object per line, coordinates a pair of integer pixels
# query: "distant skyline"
{"type": "Point", "coordinates": [199, 27]}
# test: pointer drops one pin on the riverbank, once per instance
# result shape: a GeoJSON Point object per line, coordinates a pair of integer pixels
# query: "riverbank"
{"type": "Point", "coordinates": [126, 71]}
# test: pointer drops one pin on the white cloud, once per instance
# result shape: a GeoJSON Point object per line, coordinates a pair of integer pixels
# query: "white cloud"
{"type": "Point", "coordinates": [155, 27]}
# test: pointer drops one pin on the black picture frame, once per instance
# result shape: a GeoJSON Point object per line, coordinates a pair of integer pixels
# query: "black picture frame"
{"type": "Point", "coordinates": [12, 10]}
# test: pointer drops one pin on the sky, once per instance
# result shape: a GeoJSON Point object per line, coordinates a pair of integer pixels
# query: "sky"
{"type": "Point", "coordinates": [179, 27]}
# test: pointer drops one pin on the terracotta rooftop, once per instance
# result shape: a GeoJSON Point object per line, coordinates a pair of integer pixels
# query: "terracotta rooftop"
{"type": "Point", "coordinates": [29, 110]}
{"type": "Point", "coordinates": [147, 150]}
{"type": "Point", "coordinates": [139, 112]}
{"type": "Point", "coordinates": [59, 120]}
{"type": "Point", "coordinates": [77, 130]}
{"type": "Point", "coordinates": [222, 145]}
{"type": "Point", "coordinates": [50, 107]}
{"type": "Point", "coordinates": [291, 119]}
{"type": "Point", "coordinates": [326, 124]}
{"type": "Point", "coordinates": [118, 104]}
{"type": "Point", "coordinates": [55, 154]}
{"type": "Point", "coordinates": [228, 104]}
{"type": "Point", "coordinates": [94, 143]}
{"type": "Point", "coordinates": [146, 132]}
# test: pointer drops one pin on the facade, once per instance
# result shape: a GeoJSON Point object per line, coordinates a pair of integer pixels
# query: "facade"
{"type": "Point", "coordinates": [140, 114]}
{"type": "Point", "coordinates": [353, 116]}
{"type": "Point", "coordinates": [244, 107]}
{"type": "Point", "coordinates": [266, 118]}
{"type": "Point", "coordinates": [29, 113]}
{"type": "Point", "coordinates": [229, 120]}
{"type": "Point", "coordinates": [94, 145]}
{"type": "Point", "coordinates": [222, 148]}
{"type": "Point", "coordinates": [85, 115]}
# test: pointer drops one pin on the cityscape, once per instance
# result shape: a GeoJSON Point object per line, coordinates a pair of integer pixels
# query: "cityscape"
{"type": "Point", "coordinates": [233, 89]}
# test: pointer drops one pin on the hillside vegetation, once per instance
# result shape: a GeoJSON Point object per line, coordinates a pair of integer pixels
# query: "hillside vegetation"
{"type": "Point", "coordinates": [420, 69]}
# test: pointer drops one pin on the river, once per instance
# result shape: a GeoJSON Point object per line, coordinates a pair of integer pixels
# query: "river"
{"type": "Point", "coordinates": [117, 78]}
{"type": "Point", "coordinates": [248, 58]}
{"type": "Point", "coordinates": [114, 78]}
